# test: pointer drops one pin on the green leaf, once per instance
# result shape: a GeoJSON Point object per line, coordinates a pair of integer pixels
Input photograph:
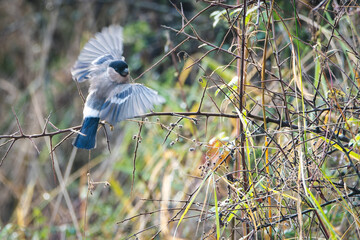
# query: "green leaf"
{"type": "Point", "coordinates": [216, 211]}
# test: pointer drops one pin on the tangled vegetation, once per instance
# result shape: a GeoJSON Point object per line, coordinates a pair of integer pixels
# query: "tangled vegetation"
{"type": "Point", "coordinates": [259, 137]}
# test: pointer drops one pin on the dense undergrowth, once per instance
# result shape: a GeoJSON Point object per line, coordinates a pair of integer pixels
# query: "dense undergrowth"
{"type": "Point", "coordinates": [259, 137]}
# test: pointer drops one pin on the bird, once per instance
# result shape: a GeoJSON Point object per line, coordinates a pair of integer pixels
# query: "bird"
{"type": "Point", "coordinates": [111, 96]}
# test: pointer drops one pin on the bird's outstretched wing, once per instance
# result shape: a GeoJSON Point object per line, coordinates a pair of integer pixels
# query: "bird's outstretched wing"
{"type": "Point", "coordinates": [128, 101]}
{"type": "Point", "coordinates": [106, 45]}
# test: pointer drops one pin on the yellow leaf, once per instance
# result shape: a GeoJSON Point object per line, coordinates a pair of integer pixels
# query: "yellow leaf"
{"type": "Point", "coordinates": [186, 70]}
{"type": "Point", "coordinates": [116, 187]}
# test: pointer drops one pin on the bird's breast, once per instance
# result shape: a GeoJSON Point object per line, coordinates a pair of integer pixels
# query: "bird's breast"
{"type": "Point", "coordinates": [116, 77]}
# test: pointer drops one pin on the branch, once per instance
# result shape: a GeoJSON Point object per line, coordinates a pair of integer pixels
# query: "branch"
{"type": "Point", "coordinates": [308, 210]}
{"type": "Point", "coordinates": [16, 136]}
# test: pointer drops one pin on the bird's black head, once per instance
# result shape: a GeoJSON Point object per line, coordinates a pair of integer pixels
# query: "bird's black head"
{"type": "Point", "coordinates": [120, 67]}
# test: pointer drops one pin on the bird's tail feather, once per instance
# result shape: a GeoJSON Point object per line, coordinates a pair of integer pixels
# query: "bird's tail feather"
{"type": "Point", "coordinates": [89, 129]}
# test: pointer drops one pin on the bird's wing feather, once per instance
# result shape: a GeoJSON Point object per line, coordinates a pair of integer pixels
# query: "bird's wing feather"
{"type": "Point", "coordinates": [106, 45]}
{"type": "Point", "coordinates": [128, 101]}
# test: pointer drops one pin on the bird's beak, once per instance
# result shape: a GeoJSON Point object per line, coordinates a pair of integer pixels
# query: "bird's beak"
{"type": "Point", "coordinates": [125, 72]}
